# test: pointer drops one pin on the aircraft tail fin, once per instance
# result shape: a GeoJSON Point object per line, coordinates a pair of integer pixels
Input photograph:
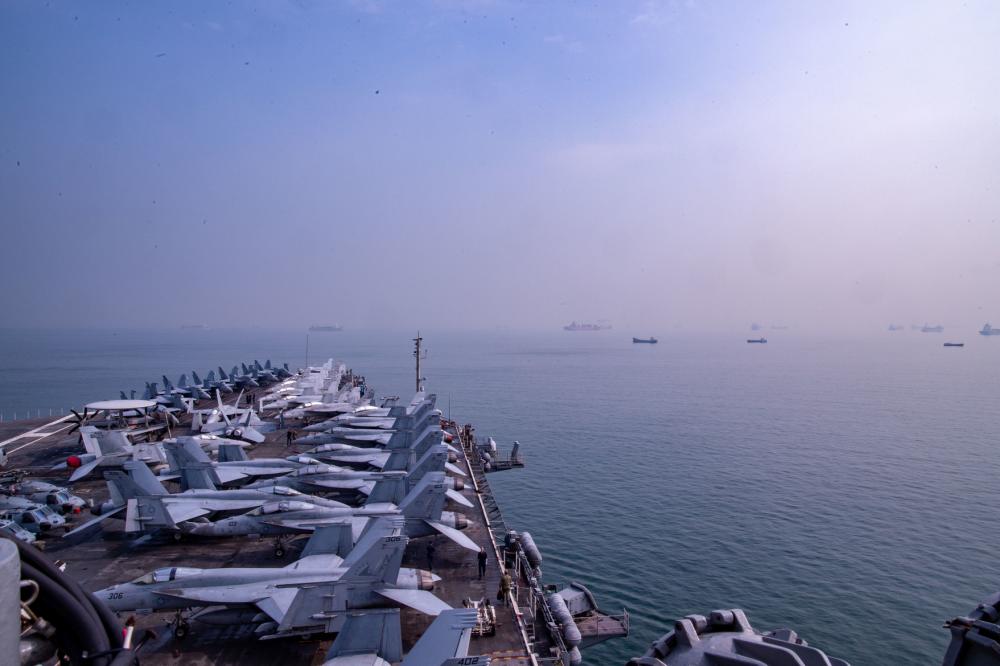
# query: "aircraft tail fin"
{"type": "Point", "coordinates": [447, 638]}
{"type": "Point", "coordinates": [377, 553]}
{"type": "Point", "coordinates": [133, 480]}
{"type": "Point", "coordinates": [110, 441]}
{"type": "Point", "coordinates": [426, 500]}
{"type": "Point", "coordinates": [399, 460]}
{"type": "Point", "coordinates": [89, 437]}
{"type": "Point", "coordinates": [195, 378]}
{"type": "Point", "coordinates": [183, 381]}
{"type": "Point", "coordinates": [184, 451]}
{"type": "Point", "coordinates": [144, 513]}
{"type": "Point", "coordinates": [388, 489]}
{"type": "Point", "coordinates": [374, 631]}
{"type": "Point", "coordinates": [222, 374]}
{"type": "Point", "coordinates": [232, 453]}
{"type": "Point", "coordinates": [167, 385]}
{"type": "Point", "coordinates": [432, 461]}
{"type": "Point", "coordinates": [199, 476]}
{"type": "Point", "coordinates": [333, 539]}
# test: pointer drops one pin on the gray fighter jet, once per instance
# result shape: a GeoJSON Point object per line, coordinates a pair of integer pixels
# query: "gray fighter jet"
{"type": "Point", "coordinates": [422, 508]}
{"type": "Point", "coordinates": [133, 489]}
{"type": "Point", "coordinates": [373, 638]}
{"type": "Point", "coordinates": [311, 595]}
{"type": "Point", "coordinates": [233, 465]}
{"type": "Point", "coordinates": [341, 481]}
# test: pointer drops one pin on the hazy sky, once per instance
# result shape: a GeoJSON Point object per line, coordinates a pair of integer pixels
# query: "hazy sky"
{"type": "Point", "coordinates": [476, 163]}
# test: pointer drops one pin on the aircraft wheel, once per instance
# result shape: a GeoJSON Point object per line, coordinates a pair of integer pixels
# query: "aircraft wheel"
{"type": "Point", "coordinates": [181, 630]}
{"type": "Point", "coordinates": [178, 536]}
{"type": "Point", "coordinates": [279, 551]}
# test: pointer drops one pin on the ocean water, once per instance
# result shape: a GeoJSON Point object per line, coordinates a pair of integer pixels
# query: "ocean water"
{"type": "Point", "coordinates": [843, 488]}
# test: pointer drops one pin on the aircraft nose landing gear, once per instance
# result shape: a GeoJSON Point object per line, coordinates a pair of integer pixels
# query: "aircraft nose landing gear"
{"type": "Point", "coordinates": [180, 626]}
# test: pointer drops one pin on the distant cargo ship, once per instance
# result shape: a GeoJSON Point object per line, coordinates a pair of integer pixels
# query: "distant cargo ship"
{"type": "Point", "coordinates": [648, 341]}
{"type": "Point", "coordinates": [585, 327]}
{"type": "Point", "coordinates": [326, 329]}
{"type": "Point", "coordinates": [954, 344]}
{"type": "Point", "coordinates": [932, 329]}
{"type": "Point", "coordinates": [989, 330]}
{"type": "Point", "coordinates": [893, 327]}
{"type": "Point", "coordinates": [759, 341]}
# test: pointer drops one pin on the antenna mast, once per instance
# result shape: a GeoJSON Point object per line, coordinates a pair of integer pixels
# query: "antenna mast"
{"type": "Point", "coordinates": [416, 353]}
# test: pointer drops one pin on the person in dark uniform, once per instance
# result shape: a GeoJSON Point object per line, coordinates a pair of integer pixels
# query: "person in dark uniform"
{"type": "Point", "coordinates": [482, 562]}
{"type": "Point", "coordinates": [430, 556]}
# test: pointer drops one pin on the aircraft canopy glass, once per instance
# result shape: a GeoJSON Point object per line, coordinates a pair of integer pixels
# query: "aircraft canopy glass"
{"type": "Point", "coordinates": [166, 574]}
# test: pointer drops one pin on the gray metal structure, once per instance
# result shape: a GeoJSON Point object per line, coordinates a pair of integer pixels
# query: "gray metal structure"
{"type": "Point", "coordinates": [725, 637]}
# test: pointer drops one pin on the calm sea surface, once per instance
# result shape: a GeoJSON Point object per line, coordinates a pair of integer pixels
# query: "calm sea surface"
{"type": "Point", "coordinates": [844, 488]}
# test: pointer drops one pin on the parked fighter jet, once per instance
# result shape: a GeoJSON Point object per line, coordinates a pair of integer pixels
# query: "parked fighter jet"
{"type": "Point", "coordinates": [133, 488]}
{"type": "Point", "coordinates": [310, 595]}
{"type": "Point", "coordinates": [183, 389]}
{"type": "Point", "coordinates": [422, 507]}
{"type": "Point", "coordinates": [381, 458]}
{"type": "Point", "coordinates": [210, 383]}
{"type": "Point", "coordinates": [332, 479]}
{"type": "Point", "coordinates": [373, 638]}
{"type": "Point", "coordinates": [246, 425]}
{"type": "Point", "coordinates": [233, 464]}
{"type": "Point", "coordinates": [109, 448]}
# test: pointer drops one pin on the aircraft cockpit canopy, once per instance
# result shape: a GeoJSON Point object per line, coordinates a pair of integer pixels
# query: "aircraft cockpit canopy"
{"type": "Point", "coordinates": [318, 468]}
{"type": "Point", "coordinates": [281, 507]}
{"type": "Point", "coordinates": [166, 574]}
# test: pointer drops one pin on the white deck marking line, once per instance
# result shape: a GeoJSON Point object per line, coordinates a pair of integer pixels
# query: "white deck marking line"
{"type": "Point", "coordinates": [39, 436]}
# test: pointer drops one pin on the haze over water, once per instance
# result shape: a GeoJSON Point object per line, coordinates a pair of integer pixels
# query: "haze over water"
{"type": "Point", "coordinates": [679, 168]}
{"type": "Point", "coordinates": [842, 488]}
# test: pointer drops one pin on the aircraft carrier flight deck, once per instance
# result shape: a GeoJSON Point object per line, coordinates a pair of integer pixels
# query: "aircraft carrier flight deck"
{"type": "Point", "coordinates": [520, 627]}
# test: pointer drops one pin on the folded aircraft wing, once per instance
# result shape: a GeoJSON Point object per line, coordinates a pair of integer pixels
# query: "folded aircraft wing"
{"type": "Point", "coordinates": [228, 474]}
{"type": "Point", "coordinates": [458, 497]}
{"type": "Point", "coordinates": [340, 484]}
{"type": "Point", "coordinates": [454, 535]}
{"type": "Point", "coordinates": [95, 521]}
{"type": "Point", "coordinates": [273, 601]}
{"type": "Point", "coordinates": [446, 638]}
{"type": "Point", "coordinates": [374, 457]}
{"type": "Point", "coordinates": [179, 512]}
{"type": "Point", "coordinates": [420, 600]}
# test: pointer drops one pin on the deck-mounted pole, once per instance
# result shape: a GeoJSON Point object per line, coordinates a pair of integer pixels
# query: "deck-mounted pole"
{"type": "Point", "coordinates": [416, 353]}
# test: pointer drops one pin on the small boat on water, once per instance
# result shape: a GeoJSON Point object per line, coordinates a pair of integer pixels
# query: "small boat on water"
{"type": "Point", "coordinates": [954, 344]}
{"type": "Point", "coordinates": [759, 341]}
{"type": "Point", "coordinates": [648, 341]}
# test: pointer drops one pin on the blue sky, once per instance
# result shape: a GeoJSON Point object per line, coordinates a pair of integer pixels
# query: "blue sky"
{"type": "Point", "coordinates": [474, 164]}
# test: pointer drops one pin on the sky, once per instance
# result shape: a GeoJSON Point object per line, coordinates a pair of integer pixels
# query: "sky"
{"type": "Point", "coordinates": [478, 164]}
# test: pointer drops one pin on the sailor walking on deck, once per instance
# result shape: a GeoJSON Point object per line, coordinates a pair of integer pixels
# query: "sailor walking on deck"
{"type": "Point", "coordinates": [505, 584]}
{"type": "Point", "coordinates": [481, 555]}
{"type": "Point", "coordinates": [430, 556]}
